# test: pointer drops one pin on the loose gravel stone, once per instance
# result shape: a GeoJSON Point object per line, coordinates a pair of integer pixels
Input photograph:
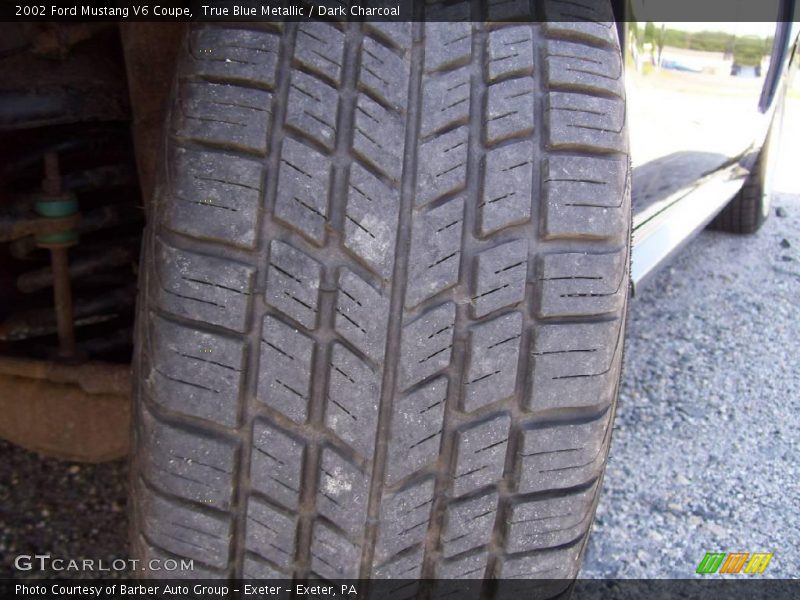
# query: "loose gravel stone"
{"type": "Point", "coordinates": [704, 454]}
{"type": "Point", "coordinates": [48, 506]}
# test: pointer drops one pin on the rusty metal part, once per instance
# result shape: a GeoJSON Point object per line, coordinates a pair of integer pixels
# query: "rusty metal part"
{"type": "Point", "coordinates": [14, 229]}
{"type": "Point", "coordinates": [151, 51]}
{"type": "Point", "coordinates": [42, 278]}
{"type": "Point", "coordinates": [62, 295]}
{"type": "Point", "coordinates": [68, 408]}
{"type": "Point", "coordinates": [39, 322]}
{"type": "Point", "coordinates": [92, 377]}
{"type": "Point", "coordinates": [52, 176]}
{"type": "Point", "coordinates": [63, 421]}
{"type": "Point", "coordinates": [59, 261]}
{"type": "Point", "coordinates": [95, 220]}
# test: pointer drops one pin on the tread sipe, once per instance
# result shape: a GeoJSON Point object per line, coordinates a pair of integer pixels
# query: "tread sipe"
{"type": "Point", "coordinates": [382, 315]}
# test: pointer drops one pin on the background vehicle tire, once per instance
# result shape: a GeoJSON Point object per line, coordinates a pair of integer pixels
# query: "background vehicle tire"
{"type": "Point", "coordinates": [749, 208]}
{"type": "Point", "coordinates": [382, 315]}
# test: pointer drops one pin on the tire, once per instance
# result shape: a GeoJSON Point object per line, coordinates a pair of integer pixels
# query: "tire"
{"type": "Point", "coordinates": [383, 341]}
{"type": "Point", "coordinates": [749, 208]}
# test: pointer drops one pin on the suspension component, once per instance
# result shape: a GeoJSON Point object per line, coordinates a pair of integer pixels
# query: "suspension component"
{"type": "Point", "coordinates": [55, 204]}
{"type": "Point", "coordinates": [89, 310]}
{"type": "Point", "coordinates": [64, 369]}
{"type": "Point", "coordinates": [114, 256]}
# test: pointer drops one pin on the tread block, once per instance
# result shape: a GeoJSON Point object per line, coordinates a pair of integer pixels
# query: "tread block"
{"type": "Point", "coordinates": [408, 568]}
{"type": "Point", "coordinates": [448, 45]}
{"type": "Point", "coordinates": [590, 22]}
{"type": "Point", "coordinates": [187, 464]}
{"type": "Point", "coordinates": [353, 397]}
{"type": "Point", "coordinates": [255, 568]}
{"type": "Point", "coordinates": [510, 109]}
{"type": "Point", "coordinates": [270, 533]}
{"type": "Point", "coordinates": [293, 283]}
{"type": "Point", "coordinates": [379, 137]}
{"type": "Point", "coordinates": [186, 532]}
{"type": "Point", "coordinates": [370, 228]}
{"type": "Point", "coordinates": [426, 345]}
{"type": "Point", "coordinates": [202, 287]}
{"type": "Point", "coordinates": [583, 121]}
{"type": "Point", "coordinates": [550, 522]}
{"type": "Point", "coordinates": [276, 464]}
{"type": "Point", "coordinates": [193, 372]}
{"type": "Point", "coordinates": [416, 430]}
{"type": "Point", "coordinates": [147, 553]}
{"type": "Point", "coordinates": [471, 566]}
{"type": "Point", "coordinates": [321, 49]}
{"type": "Point", "coordinates": [442, 166]}
{"type": "Point", "coordinates": [581, 67]}
{"type": "Point", "coordinates": [384, 74]}
{"type": "Point", "coordinates": [224, 114]}
{"type": "Point", "coordinates": [580, 284]}
{"type": "Point", "coordinates": [303, 185]}
{"type": "Point", "coordinates": [284, 380]}
{"type": "Point", "coordinates": [469, 524]}
{"type": "Point", "coordinates": [510, 10]}
{"type": "Point", "coordinates": [551, 565]}
{"type": "Point", "coordinates": [494, 353]}
{"type": "Point", "coordinates": [445, 101]}
{"type": "Point", "coordinates": [507, 195]}
{"type": "Point", "coordinates": [562, 456]}
{"type": "Point", "coordinates": [501, 275]}
{"type": "Point", "coordinates": [252, 58]}
{"type": "Point", "coordinates": [398, 33]}
{"type": "Point", "coordinates": [343, 493]}
{"type": "Point", "coordinates": [582, 197]}
{"type": "Point", "coordinates": [510, 52]}
{"type": "Point", "coordinates": [362, 314]}
{"type": "Point", "coordinates": [572, 364]}
{"type": "Point", "coordinates": [204, 187]}
{"type": "Point", "coordinates": [481, 455]}
{"type": "Point", "coordinates": [311, 108]}
{"type": "Point", "coordinates": [435, 255]}
{"type": "Point", "coordinates": [333, 556]}
{"type": "Point", "coordinates": [404, 520]}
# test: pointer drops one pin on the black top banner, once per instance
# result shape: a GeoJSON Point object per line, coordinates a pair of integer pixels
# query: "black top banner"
{"type": "Point", "coordinates": [403, 10]}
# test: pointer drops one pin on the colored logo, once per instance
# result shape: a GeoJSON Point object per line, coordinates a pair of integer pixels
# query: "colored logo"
{"type": "Point", "coordinates": [734, 562]}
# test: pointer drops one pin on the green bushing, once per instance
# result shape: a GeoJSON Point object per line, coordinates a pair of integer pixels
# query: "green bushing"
{"type": "Point", "coordinates": [57, 207]}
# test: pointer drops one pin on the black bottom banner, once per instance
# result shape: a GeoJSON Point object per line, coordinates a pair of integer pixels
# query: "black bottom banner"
{"type": "Point", "coordinates": [529, 589]}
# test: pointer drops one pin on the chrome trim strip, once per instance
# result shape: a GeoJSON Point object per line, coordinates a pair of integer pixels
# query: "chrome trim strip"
{"type": "Point", "coordinates": [657, 236]}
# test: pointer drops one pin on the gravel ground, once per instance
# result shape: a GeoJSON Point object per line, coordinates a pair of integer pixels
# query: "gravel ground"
{"type": "Point", "coordinates": [64, 509]}
{"type": "Point", "coordinates": [704, 454]}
